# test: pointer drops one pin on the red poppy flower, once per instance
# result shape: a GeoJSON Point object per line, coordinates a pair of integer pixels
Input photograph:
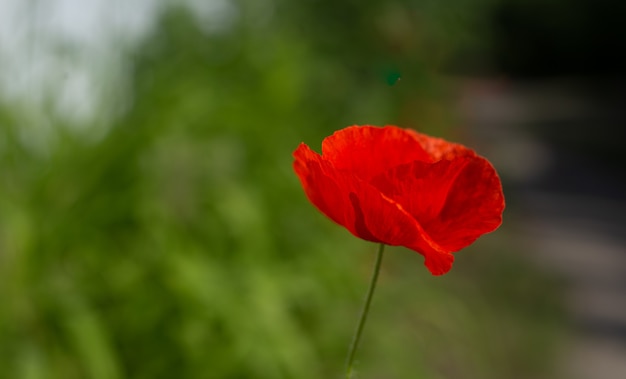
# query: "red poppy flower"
{"type": "Point", "coordinates": [402, 188]}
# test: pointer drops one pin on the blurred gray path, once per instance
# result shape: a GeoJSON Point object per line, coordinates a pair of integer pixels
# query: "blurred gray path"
{"type": "Point", "coordinates": [571, 211]}
{"type": "Point", "coordinates": [590, 255]}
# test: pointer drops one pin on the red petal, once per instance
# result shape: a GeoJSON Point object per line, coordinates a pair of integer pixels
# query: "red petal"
{"type": "Point", "coordinates": [320, 186]}
{"type": "Point", "coordinates": [421, 188]}
{"type": "Point", "coordinates": [439, 148]}
{"type": "Point", "coordinates": [455, 201]}
{"type": "Point", "coordinates": [473, 207]}
{"type": "Point", "coordinates": [364, 210]}
{"type": "Point", "coordinates": [368, 151]}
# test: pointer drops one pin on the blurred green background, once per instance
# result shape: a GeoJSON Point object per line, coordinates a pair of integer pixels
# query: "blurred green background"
{"type": "Point", "coordinates": [163, 233]}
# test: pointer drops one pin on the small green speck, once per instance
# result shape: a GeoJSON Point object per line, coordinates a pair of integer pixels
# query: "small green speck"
{"type": "Point", "coordinates": [392, 77]}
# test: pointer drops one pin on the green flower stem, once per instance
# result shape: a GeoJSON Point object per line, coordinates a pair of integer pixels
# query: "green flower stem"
{"type": "Point", "coordinates": [364, 312]}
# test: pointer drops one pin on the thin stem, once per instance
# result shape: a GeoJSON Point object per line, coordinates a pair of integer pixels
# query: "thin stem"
{"type": "Point", "coordinates": [364, 312]}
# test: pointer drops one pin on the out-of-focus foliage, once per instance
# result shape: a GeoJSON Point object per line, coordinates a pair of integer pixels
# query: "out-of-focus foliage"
{"type": "Point", "coordinates": [179, 244]}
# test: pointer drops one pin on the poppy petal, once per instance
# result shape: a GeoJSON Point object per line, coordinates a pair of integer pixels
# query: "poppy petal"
{"type": "Point", "coordinates": [439, 149]}
{"type": "Point", "coordinates": [349, 201]}
{"type": "Point", "coordinates": [319, 186]}
{"type": "Point", "coordinates": [364, 210]}
{"type": "Point", "coordinates": [455, 201]}
{"type": "Point", "coordinates": [368, 150]}
{"type": "Point", "coordinates": [389, 223]}
{"type": "Point", "coordinates": [473, 206]}
{"type": "Point", "coordinates": [438, 263]}
{"type": "Point", "coordinates": [421, 188]}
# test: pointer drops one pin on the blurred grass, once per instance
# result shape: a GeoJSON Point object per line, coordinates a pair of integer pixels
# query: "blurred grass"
{"type": "Point", "coordinates": [179, 243]}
